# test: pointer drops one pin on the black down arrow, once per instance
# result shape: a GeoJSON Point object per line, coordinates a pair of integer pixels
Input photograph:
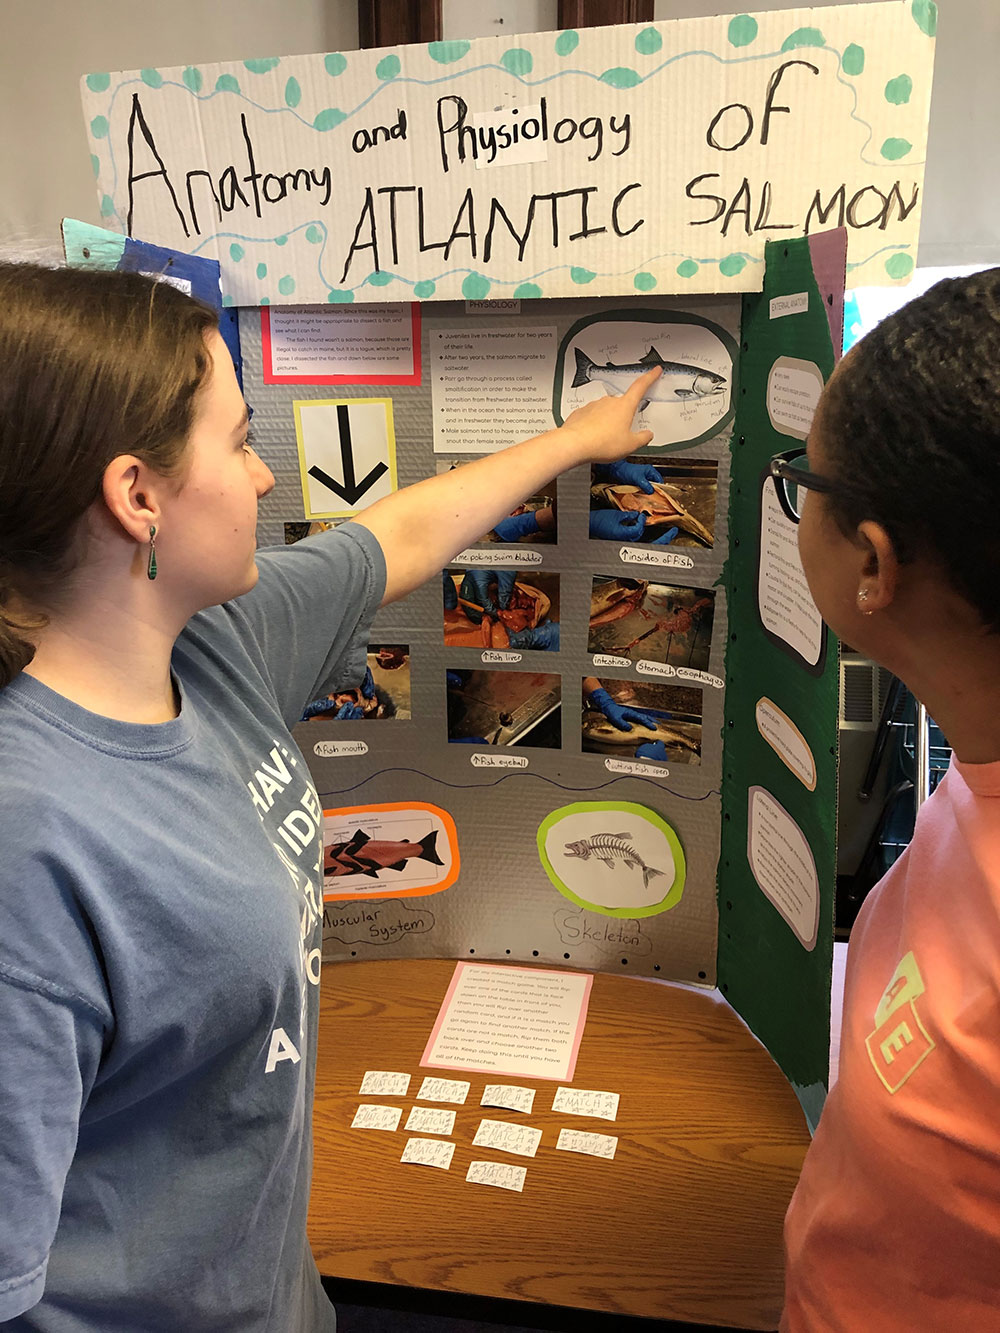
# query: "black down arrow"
{"type": "Point", "coordinates": [351, 490]}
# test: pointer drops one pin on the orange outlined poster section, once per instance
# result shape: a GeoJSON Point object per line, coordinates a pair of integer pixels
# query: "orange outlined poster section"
{"type": "Point", "coordinates": [319, 345]}
{"type": "Point", "coordinates": [524, 1022]}
{"type": "Point", "coordinates": [402, 850]}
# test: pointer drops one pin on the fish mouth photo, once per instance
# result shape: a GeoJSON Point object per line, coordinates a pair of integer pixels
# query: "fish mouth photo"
{"type": "Point", "coordinates": [692, 399]}
{"type": "Point", "coordinates": [655, 501]}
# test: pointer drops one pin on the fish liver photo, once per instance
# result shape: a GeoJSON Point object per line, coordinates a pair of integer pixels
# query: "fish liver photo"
{"type": "Point", "coordinates": [501, 608]}
{"type": "Point", "coordinates": [651, 622]}
{"type": "Point", "coordinates": [644, 500]}
{"type": "Point", "coordinates": [504, 708]}
{"type": "Point", "coordinates": [642, 720]}
{"type": "Point", "coordinates": [692, 399]}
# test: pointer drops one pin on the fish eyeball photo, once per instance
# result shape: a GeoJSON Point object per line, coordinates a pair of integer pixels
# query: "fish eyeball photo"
{"type": "Point", "coordinates": [692, 399]}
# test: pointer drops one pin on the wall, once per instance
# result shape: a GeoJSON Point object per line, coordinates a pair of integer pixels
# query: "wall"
{"type": "Point", "coordinates": [47, 46]}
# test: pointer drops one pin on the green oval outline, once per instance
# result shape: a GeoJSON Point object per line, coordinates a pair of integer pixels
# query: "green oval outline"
{"type": "Point", "coordinates": [654, 316]}
{"type": "Point", "coordinates": [676, 890]}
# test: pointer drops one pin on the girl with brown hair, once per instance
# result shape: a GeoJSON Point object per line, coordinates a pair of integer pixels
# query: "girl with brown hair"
{"type": "Point", "coordinates": [160, 880]}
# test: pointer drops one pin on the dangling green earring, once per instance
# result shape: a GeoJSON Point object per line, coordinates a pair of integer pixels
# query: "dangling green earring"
{"type": "Point", "coordinates": [151, 563]}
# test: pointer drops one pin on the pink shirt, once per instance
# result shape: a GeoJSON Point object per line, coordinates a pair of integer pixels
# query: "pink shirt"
{"type": "Point", "coordinates": [895, 1224]}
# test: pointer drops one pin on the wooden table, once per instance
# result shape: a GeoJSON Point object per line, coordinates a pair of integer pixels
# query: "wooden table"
{"type": "Point", "coordinates": [684, 1223]}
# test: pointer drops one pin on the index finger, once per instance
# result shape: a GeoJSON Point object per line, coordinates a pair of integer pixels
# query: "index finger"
{"type": "Point", "coordinates": [637, 389]}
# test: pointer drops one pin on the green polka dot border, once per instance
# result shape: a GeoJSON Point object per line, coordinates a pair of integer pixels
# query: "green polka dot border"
{"type": "Point", "coordinates": [742, 30]}
{"type": "Point", "coordinates": [899, 266]}
{"type": "Point", "coordinates": [475, 287]}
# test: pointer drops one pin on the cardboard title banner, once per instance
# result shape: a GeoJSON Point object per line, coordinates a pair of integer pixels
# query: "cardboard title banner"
{"type": "Point", "coordinates": [611, 161]}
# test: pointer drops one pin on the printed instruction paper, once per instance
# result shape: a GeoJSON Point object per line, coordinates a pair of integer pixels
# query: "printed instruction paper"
{"type": "Point", "coordinates": [514, 1021]}
{"type": "Point", "coordinates": [490, 387]}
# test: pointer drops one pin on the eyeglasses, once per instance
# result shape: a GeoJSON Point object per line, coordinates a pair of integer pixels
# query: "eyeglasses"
{"type": "Point", "coordinates": [791, 473]}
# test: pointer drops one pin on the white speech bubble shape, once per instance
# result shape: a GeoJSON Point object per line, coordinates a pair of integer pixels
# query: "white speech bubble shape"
{"type": "Point", "coordinates": [793, 390]}
{"type": "Point", "coordinates": [786, 741]}
{"type": "Point", "coordinates": [783, 865]}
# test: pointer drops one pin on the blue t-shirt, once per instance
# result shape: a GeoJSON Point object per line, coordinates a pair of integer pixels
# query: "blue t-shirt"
{"type": "Point", "coordinates": [160, 937]}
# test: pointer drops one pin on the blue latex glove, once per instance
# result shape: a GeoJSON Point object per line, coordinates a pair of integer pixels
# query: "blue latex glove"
{"type": "Point", "coordinates": [651, 750]}
{"type": "Point", "coordinates": [476, 584]}
{"type": "Point", "coordinates": [368, 685]}
{"type": "Point", "coordinates": [348, 712]}
{"type": "Point", "coordinates": [454, 680]}
{"type": "Point", "coordinates": [468, 740]}
{"type": "Point", "coordinates": [518, 525]}
{"type": "Point", "coordinates": [617, 526]}
{"type": "Point", "coordinates": [667, 537]}
{"type": "Point", "coordinates": [545, 635]}
{"type": "Point", "coordinates": [448, 588]}
{"type": "Point", "coordinates": [643, 475]}
{"type": "Point", "coordinates": [620, 715]}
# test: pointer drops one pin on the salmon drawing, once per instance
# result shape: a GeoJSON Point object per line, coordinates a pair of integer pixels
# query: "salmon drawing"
{"type": "Point", "coordinates": [609, 848]}
{"type": "Point", "coordinates": [363, 855]}
{"type": "Point", "coordinates": [679, 383]}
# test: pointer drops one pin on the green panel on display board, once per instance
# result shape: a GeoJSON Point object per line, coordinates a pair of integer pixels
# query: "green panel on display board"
{"type": "Point", "coordinates": [777, 871]}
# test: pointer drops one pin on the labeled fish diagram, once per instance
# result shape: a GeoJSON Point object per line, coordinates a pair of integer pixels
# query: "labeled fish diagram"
{"type": "Point", "coordinates": [693, 398]}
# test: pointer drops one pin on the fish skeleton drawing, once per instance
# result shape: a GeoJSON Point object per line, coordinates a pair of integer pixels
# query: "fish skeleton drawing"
{"type": "Point", "coordinates": [679, 383]}
{"type": "Point", "coordinates": [609, 848]}
{"type": "Point", "coordinates": [363, 855]}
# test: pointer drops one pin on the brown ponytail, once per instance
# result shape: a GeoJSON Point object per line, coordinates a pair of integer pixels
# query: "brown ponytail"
{"type": "Point", "coordinates": [92, 365]}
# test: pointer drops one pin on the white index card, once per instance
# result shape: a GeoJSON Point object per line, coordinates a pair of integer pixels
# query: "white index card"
{"type": "Point", "coordinates": [443, 1090]}
{"type": "Point", "coordinates": [384, 1083]}
{"type": "Point", "coordinates": [579, 1140]}
{"type": "Point", "coordinates": [509, 1096]}
{"type": "Point", "coordinates": [431, 1120]}
{"type": "Point", "coordinates": [429, 1152]}
{"type": "Point", "coordinates": [369, 1116]}
{"type": "Point", "coordinates": [498, 1134]}
{"type": "Point", "coordinates": [581, 1101]}
{"type": "Point", "coordinates": [504, 1175]}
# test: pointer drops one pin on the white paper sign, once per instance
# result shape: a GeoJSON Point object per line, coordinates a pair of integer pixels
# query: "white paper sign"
{"type": "Point", "coordinates": [793, 390]}
{"type": "Point", "coordinates": [331, 345]}
{"type": "Point", "coordinates": [783, 598]}
{"type": "Point", "coordinates": [786, 741]}
{"type": "Point", "coordinates": [663, 156]}
{"type": "Point", "coordinates": [347, 454]}
{"type": "Point", "coordinates": [490, 387]}
{"type": "Point", "coordinates": [510, 1020]}
{"type": "Point", "coordinates": [783, 865]}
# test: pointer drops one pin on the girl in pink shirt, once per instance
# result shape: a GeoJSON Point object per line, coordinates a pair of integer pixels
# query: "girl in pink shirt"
{"type": "Point", "coordinates": [895, 1225]}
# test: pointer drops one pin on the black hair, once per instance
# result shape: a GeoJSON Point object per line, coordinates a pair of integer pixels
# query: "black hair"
{"type": "Point", "coordinates": [910, 425]}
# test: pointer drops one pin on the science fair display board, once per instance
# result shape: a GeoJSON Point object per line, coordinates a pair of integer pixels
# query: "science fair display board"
{"type": "Point", "coordinates": [604, 738]}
